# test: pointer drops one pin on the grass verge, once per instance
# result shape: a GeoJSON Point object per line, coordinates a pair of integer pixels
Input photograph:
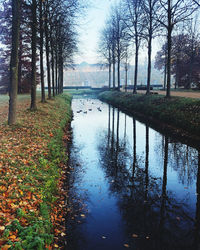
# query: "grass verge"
{"type": "Point", "coordinates": [183, 114]}
{"type": "Point", "coordinates": [32, 166]}
{"type": "Point", "coordinates": [87, 92]}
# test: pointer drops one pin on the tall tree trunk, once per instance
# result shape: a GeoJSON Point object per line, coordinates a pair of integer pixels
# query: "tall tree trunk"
{"type": "Point", "coordinates": [62, 76]}
{"type": "Point", "coordinates": [109, 80]}
{"type": "Point", "coordinates": [136, 66]}
{"type": "Point", "coordinates": [42, 51]}
{"type": "Point", "coordinates": [60, 82]}
{"type": "Point", "coordinates": [149, 61]}
{"type": "Point", "coordinates": [169, 50]}
{"type": "Point", "coordinates": [56, 70]}
{"type": "Point", "coordinates": [47, 55]}
{"type": "Point", "coordinates": [13, 88]}
{"type": "Point", "coordinates": [169, 45]}
{"type": "Point", "coordinates": [118, 73]}
{"type": "Point", "coordinates": [165, 72]}
{"type": "Point", "coordinates": [109, 77]}
{"type": "Point", "coordinates": [33, 62]}
{"type": "Point", "coordinates": [113, 72]}
{"type": "Point", "coordinates": [20, 65]}
{"type": "Point", "coordinates": [52, 67]}
{"type": "Point", "coordinates": [126, 76]}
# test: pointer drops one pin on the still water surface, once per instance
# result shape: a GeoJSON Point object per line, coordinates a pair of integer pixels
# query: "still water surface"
{"type": "Point", "coordinates": [130, 186]}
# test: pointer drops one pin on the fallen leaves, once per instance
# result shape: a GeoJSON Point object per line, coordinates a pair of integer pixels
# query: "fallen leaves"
{"type": "Point", "coordinates": [5, 247]}
{"type": "Point", "coordinates": [22, 174]}
{"type": "Point", "coordinates": [134, 235]}
{"type": "Point", "coordinates": [126, 245]}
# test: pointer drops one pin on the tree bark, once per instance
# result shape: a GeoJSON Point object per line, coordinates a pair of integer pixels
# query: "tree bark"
{"type": "Point", "coordinates": [136, 66]}
{"type": "Point", "coordinates": [113, 73]}
{"type": "Point", "coordinates": [169, 50]}
{"type": "Point", "coordinates": [56, 70]}
{"type": "Point", "coordinates": [165, 72]}
{"type": "Point", "coordinates": [169, 45]}
{"type": "Point", "coordinates": [109, 77]}
{"type": "Point", "coordinates": [20, 64]}
{"type": "Point", "coordinates": [126, 77]}
{"type": "Point", "coordinates": [149, 59]}
{"type": "Point", "coordinates": [42, 51]}
{"type": "Point", "coordinates": [33, 61]}
{"type": "Point", "coordinates": [52, 67]}
{"type": "Point", "coordinates": [13, 88]}
{"type": "Point", "coordinates": [47, 55]}
{"type": "Point", "coordinates": [118, 73]}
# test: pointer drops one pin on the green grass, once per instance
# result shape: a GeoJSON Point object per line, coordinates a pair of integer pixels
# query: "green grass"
{"type": "Point", "coordinates": [182, 113]}
{"type": "Point", "coordinates": [82, 92]}
{"type": "Point", "coordinates": [42, 172]}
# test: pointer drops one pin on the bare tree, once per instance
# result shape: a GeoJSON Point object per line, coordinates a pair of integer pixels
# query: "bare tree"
{"type": "Point", "coordinates": [134, 24]}
{"type": "Point", "coordinates": [196, 2]}
{"type": "Point", "coordinates": [151, 25]}
{"type": "Point", "coordinates": [120, 37]}
{"type": "Point", "coordinates": [171, 13]}
{"type": "Point", "coordinates": [47, 34]}
{"type": "Point", "coordinates": [105, 47]}
{"type": "Point", "coordinates": [41, 28]}
{"type": "Point", "coordinates": [34, 54]}
{"type": "Point", "coordinates": [16, 7]}
{"type": "Point", "coordinates": [126, 60]}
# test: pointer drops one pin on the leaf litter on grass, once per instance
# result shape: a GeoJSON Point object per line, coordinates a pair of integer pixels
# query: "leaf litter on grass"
{"type": "Point", "coordinates": [25, 174]}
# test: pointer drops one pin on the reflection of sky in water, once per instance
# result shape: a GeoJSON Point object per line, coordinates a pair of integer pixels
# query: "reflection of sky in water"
{"type": "Point", "coordinates": [104, 216]}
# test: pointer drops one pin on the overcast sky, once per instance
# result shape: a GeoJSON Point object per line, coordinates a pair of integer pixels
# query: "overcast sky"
{"type": "Point", "coordinates": [91, 25]}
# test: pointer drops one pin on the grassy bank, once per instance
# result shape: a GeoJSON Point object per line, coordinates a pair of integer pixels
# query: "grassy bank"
{"type": "Point", "coordinates": [87, 92]}
{"type": "Point", "coordinates": [32, 166]}
{"type": "Point", "coordinates": [183, 114]}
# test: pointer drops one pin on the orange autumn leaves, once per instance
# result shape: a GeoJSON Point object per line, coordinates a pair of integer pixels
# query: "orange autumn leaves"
{"type": "Point", "coordinates": [21, 148]}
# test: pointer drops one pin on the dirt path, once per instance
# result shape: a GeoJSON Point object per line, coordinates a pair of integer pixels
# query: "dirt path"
{"type": "Point", "coordinates": [176, 93]}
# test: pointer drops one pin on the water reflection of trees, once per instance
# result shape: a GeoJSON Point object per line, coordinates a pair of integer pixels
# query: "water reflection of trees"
{"type": "Point", "coordinates": [151, 212]}
{"type": "Point", "coordinates": [76, 200]}
{"type": "Point", "coordinates": [182, 158]}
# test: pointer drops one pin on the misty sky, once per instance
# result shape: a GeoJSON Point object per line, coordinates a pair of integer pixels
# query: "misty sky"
{"type": "Point", "coordinates": [91, 25]}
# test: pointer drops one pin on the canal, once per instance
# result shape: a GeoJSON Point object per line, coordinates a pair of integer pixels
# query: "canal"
{"type": "Point", "coordinates": [130, 186]}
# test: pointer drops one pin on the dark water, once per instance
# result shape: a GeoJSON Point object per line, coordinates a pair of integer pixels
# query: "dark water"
{"type": "Point", "coordinates": [131, 187]}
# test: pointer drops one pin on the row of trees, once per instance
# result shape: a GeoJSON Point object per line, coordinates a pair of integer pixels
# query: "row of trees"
{"type": "Point", "coordinates": [31, 31]}
{"type": "Point", "coordinates": [185, 59]}
{"type": "Point", "coordinates": [138, 22]}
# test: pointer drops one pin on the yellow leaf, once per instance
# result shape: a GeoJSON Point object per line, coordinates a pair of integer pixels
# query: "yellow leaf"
{"type": "Point", "coordinates": [126, 245]}
{"type": "Point", "coordinates": [2, 228]}
{"type": "Point", "coordinates": [12, 237]}
{"type": "Point", "coordinates": [5, 247]}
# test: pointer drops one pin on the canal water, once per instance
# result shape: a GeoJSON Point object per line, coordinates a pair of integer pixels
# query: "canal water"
{"type": "Point", "coordinates": [130, 186]}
